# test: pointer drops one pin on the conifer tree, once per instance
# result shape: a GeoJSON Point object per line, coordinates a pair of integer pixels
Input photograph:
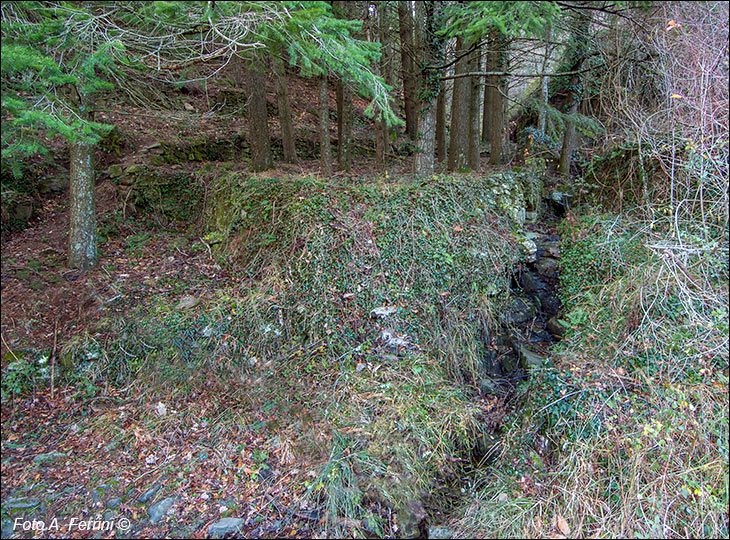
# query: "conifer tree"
{"type": "Point", "coordinates": [55, 59]}
{"type": "Point", "coordinates": [433, 56]}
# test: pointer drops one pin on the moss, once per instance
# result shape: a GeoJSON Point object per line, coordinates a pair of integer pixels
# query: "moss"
{"type": "Point", "coordinates": [176, 197]}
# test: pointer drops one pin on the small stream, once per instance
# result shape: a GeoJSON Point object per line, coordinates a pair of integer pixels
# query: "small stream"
{"type": "Point", "coordinates": [527, 329]}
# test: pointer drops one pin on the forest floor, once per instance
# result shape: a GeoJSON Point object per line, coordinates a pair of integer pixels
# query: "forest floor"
{"type": "Point", "coordinates": [181, 444]}
{"type": "Point", "coordinates": [212, 449]}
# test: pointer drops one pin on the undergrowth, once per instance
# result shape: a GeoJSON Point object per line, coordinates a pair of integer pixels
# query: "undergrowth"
{"type": "Point", "coordinates": [384, 401]}
{"type": "Point", "coordinates": [627, 436]}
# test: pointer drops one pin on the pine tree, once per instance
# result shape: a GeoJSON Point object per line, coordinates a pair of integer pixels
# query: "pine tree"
{"type": "Point", "coordinates": [433, 44]}
{"type": "Point", "coordinates": [55, 60]}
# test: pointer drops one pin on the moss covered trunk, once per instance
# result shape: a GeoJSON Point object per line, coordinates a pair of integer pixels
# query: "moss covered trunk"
{"type": "Point", "coordinates": [577, 56]}
{"type": "Point", "coordinates": [489, 91]}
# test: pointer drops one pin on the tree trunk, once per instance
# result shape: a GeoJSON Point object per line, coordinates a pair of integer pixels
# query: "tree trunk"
{"type": "Point", "coordinates": [419, 55]}
{"type": "Point", "coordinates": [460, 123]}
{"type": "Point", "coordinates": [432, 47]}
{"type": "Point", "coordinates": [381, 134]}
{"type": "Point", "coordinates": [405, 18]}
{"type": "Point", "coordinates": [258, 121]}
{"type": "Point", "coordinates": [441, 124]}
{"type": "Point", "coordinates": [489, 91]}
{"type": "Point", "coordinates": [388, 60]}
{"type": "Point", "coordinates": [577, 55]}
{"type": "Point", "coordinates": [288, 138]}
{"type": "Point", "coordinates": [426, 143]}
{"type": "Point", "coordinates": [344, 137]}
{"type": "Point", "coordinates": [474, 111]}
{"type": "Point", "coordinates": [566, 152]}
{"type": "Point", "coordinates": [544, 97]}
{"type": "Point", "coordinates": [82, 251]}
{"type": "Point", "coordinates": [324, 129]}
{"type": "Point", "coordinates": [339, 106]}
{"type": "Point", "coordinates": [499, 102]}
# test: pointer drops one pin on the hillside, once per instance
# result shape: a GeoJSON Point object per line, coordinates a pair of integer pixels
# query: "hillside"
{"type": "Point", "coordinates": [535, 347]}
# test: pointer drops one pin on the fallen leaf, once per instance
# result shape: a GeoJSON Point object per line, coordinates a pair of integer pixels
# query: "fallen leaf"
{"type": "Point", "coordinates": [562, 525]}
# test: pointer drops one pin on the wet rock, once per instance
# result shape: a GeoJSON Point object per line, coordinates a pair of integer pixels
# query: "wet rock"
{"type": "Point", "coordinates": [558, 201]}
{"type": "Point", "coordinates": [50, 457]}
{"type": "Point", "coordinates": [225, 526]}
{"type": "Point", "coordinates": [411, 520]}
{"type": "Point", "coordinates": [531, 283]}
{"type": "Point", "coordinates": [530, 360]}
{"type": "Point", "coordinates": [488, 386]}
{"type": "Point", "coordinates": [490, 364]}
{"type": "Point", "coordinates": [510, 362]}
{"type": "Point", "coordinates": [538, 336]}
{"type": "Point", "coordinates": [158, 511]}
{"type": "Point", "coordinates": [555, 327]}
{"type": "Point", "coordinates": [518, 311]}
{"type": "Point", "coordinates": [550, 304]}
{"type": "Point", "coordinates": [549, 247]}
{"type": "Point", "coordinates": [187, 302]}
{"type": "Point", "coordinates": [547, 267]}
{"type": "Point", "coordinates": [535, 287]}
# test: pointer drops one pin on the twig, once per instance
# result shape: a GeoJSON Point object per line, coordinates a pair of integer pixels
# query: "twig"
{"type": "Point", "coordinates": [167, 453]}
{"type": "Point", "coordinates": [53, 356]}
{"type": "Point", "coordinates": [210, 253]}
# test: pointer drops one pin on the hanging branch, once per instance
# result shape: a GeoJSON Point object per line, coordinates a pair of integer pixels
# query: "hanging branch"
{"type": "Point", "coordinates": [510, 74]}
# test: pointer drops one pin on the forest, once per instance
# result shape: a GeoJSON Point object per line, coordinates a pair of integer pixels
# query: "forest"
{"type": "Point", "coordinates": [365, 269]}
